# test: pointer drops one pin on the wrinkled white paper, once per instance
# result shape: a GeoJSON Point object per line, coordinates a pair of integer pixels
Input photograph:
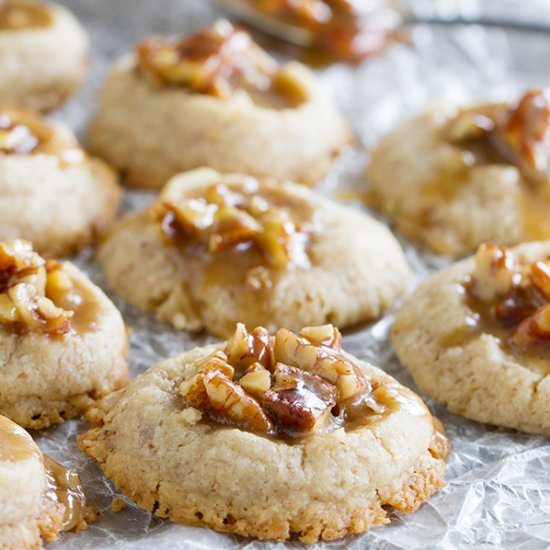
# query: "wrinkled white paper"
{"type": "Point", "coordinates": [499, 490]}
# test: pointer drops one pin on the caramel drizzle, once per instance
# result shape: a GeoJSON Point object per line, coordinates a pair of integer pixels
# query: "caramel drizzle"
{"type": "Point", "coordinates": [63, 486]}
{"type": "Point", "coordinates": [15, 443]}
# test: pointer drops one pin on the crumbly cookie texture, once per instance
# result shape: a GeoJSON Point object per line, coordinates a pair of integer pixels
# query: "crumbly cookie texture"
{"type": "Point", "coordinates": [39, 498]}
{"type": "Point", "coordinates": [318, 449]}
{"type": "Point", "coordinates": [278, 256]}
{"type": "Point", "coordinates": [63, 343]}
{"type": "Point", "coordinates": [475, 337]}
{"type": "Point", "coordinates": [51, 192]}
{"type": "Point", "coordinates": [453, 179]}
{"type": "Point", "coordinates": [214, 99]}
{"type": "Point", "coordinates": [43, 54]}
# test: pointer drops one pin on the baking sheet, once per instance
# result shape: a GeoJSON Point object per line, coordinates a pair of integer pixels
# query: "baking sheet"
{"type": "Point", "coordinates": [498, 494]}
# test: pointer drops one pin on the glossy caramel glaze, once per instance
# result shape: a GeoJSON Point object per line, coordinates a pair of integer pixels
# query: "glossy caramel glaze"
{"type": "Point", "coordinates": [15, 443]}
{"type": "Point", "coordinates": [63, 486]}
{"type": "Point", "coordinates": [219, 61]}
{"type": "Point", "coordinates": [18, 15]}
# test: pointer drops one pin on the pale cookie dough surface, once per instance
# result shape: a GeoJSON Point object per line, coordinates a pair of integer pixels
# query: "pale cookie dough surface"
{"type": "Point", "coordinates": [25, 515]}
{"type": "Point", "coordinates": [40, 67]}
{"type": "Point", "coordinates": [357, 270]}
{"type": "Point", "coordinates": [46, 379]}
{"type": "Point", "coordinates": [59, 207]}
{"type": "Point", "coordinates": [155, 449]}
{"type": "Point", "coordinates": [411, 172]}
{"type": "Point", "coordinates": [152, 133]}
{"type": "Point", "coordinates": [469, 372]}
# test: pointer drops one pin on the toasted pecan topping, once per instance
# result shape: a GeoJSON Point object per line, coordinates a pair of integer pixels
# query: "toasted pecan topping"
{"type": "Point", "coordinates": [348, 29]}
{"type": "Point", "coordinates": [517, 294]}
{"type": "Point", "coordinates": [23, 132]}
{"type": "Point", "coordinates": [223, 218]}
{"type": "Point", "coordinates": [20, 14]}
{"type": "Point", "coordinates": [29, 289]}
{"type": "Point", "coordinates": [525, 130]}
{"type": "Point", "coordinates": [220, 61]}
{"type": "Point", "coordinates": [515, 134]}
{"type": "Point", "coordinates": [291, 385]}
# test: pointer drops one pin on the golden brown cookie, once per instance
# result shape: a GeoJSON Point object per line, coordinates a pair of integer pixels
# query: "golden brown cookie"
{"type": "Point", "coordinates": [39, 498]}
{"type": "Point", "coordinates": [51, 192]}
{"type": "Point", "coordinates": [214, 99]}
{"type": "Point", "coordinates": [476, 337]}
{"type": "Point", "coordinates": [270, 436]}
{"type": "Point", "coordinates": [453, 179]}
{"type": "Point", "coordinates": [43, 54]}
{"type": "Point", "coordinates": [217, 249]}
{"type": "Point", "coordinates": [62, 341]}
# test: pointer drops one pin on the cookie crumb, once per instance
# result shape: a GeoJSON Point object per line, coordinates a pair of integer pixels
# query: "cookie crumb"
{"type": "Point", "coordinates": [190, 416]}
{"type": "Point", "coordinates": [117, 504]}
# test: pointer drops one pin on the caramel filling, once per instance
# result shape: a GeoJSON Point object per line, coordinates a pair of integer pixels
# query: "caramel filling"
{"type": "Point", "coordinates": [240, 236]}
{"type": "Point", "coordinates": [346, 29]}
{"type": "Point", "coordinates": [15, 443]}
{"type": "Point", "coordinates": [20, 15]}
{"type": "Point", "coordinates": [63, 486]}
{"type": "Point", "coordinates": [219, 61]}
{"type": "Point", "coordinates": [26, 133]}
{"type": "Point", "coordinates": [291, 385]}
{"type": "Point", "coordinates": [509, 300]}
{"type": "Point", "coordinates": [38, 295]}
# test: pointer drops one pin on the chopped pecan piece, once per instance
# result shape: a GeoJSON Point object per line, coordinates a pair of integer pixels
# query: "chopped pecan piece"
{"type": "Point", "coordinates": [325, 362]}
{"type": "Point", "coordinates": [212, 390]}
{"type": "Point", "coordinates": [540, 277]}
{"type": "Point", "coordinates": [532, 330]}
{"type": "Point", "coordinates": [246, 348]}
{"type": "Point", "coordinates": [324, 335]}
{"type": "Point", "coordinates": [299, 401]}
{"type": "Point", "coordinates": [494, 273]}
{"type": "Point", "coordinates": [526, 132]}
{"type": "Point", "coordinates": [256, 380]}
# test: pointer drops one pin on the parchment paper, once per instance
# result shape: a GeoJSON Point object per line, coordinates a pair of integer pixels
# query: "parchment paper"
{"type": "Point", "coordinates": [498, 494]}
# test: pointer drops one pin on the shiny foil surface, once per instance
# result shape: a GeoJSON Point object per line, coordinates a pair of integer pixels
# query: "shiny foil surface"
{"type": "Point", "coordinates": [498, 493]}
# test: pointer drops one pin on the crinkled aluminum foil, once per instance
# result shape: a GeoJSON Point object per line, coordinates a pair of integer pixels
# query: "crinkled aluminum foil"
{"type": "Point", "coordinates": [498, 493]}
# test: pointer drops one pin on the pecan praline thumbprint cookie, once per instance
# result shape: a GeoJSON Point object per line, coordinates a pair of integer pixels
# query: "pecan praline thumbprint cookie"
{"type": "Point", "coordinates": [476, 337]}
{"type": "Point", "coordinates": [43, 54]}
{"type": "Point", "coordinates": [51, 192]}
{"type": "Point", "coordinates": [453, 179]}
{"type": "Point", "coordinates": [270, 436]}
{"type": "Point", "coordinates": [214, 250]}
{"type": "Point", "coordinates": [62, 341]}
{"type": "Point", "coordinates": [214, 99]}
{"type": "Point", "coordinates": [39, 498]}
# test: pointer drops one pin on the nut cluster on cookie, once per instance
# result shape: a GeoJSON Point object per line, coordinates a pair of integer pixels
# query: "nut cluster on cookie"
{"type": "Point", "coordinates": [23, 132]}
{"type": "Point", "coordinates": [218, 61]}
{"type": "Point", "coordinates": [519, 133]}
{"type": "Point", "coordinates": [518, 294]}
{"type": "Point", "coordinates": [222, 217]}
{"type": "Point", "coordinates": [29, 289]}
{"type": "Point", "coordinates": [343, 28]}
{"type": "Point", "coordinates": [287, 384]}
